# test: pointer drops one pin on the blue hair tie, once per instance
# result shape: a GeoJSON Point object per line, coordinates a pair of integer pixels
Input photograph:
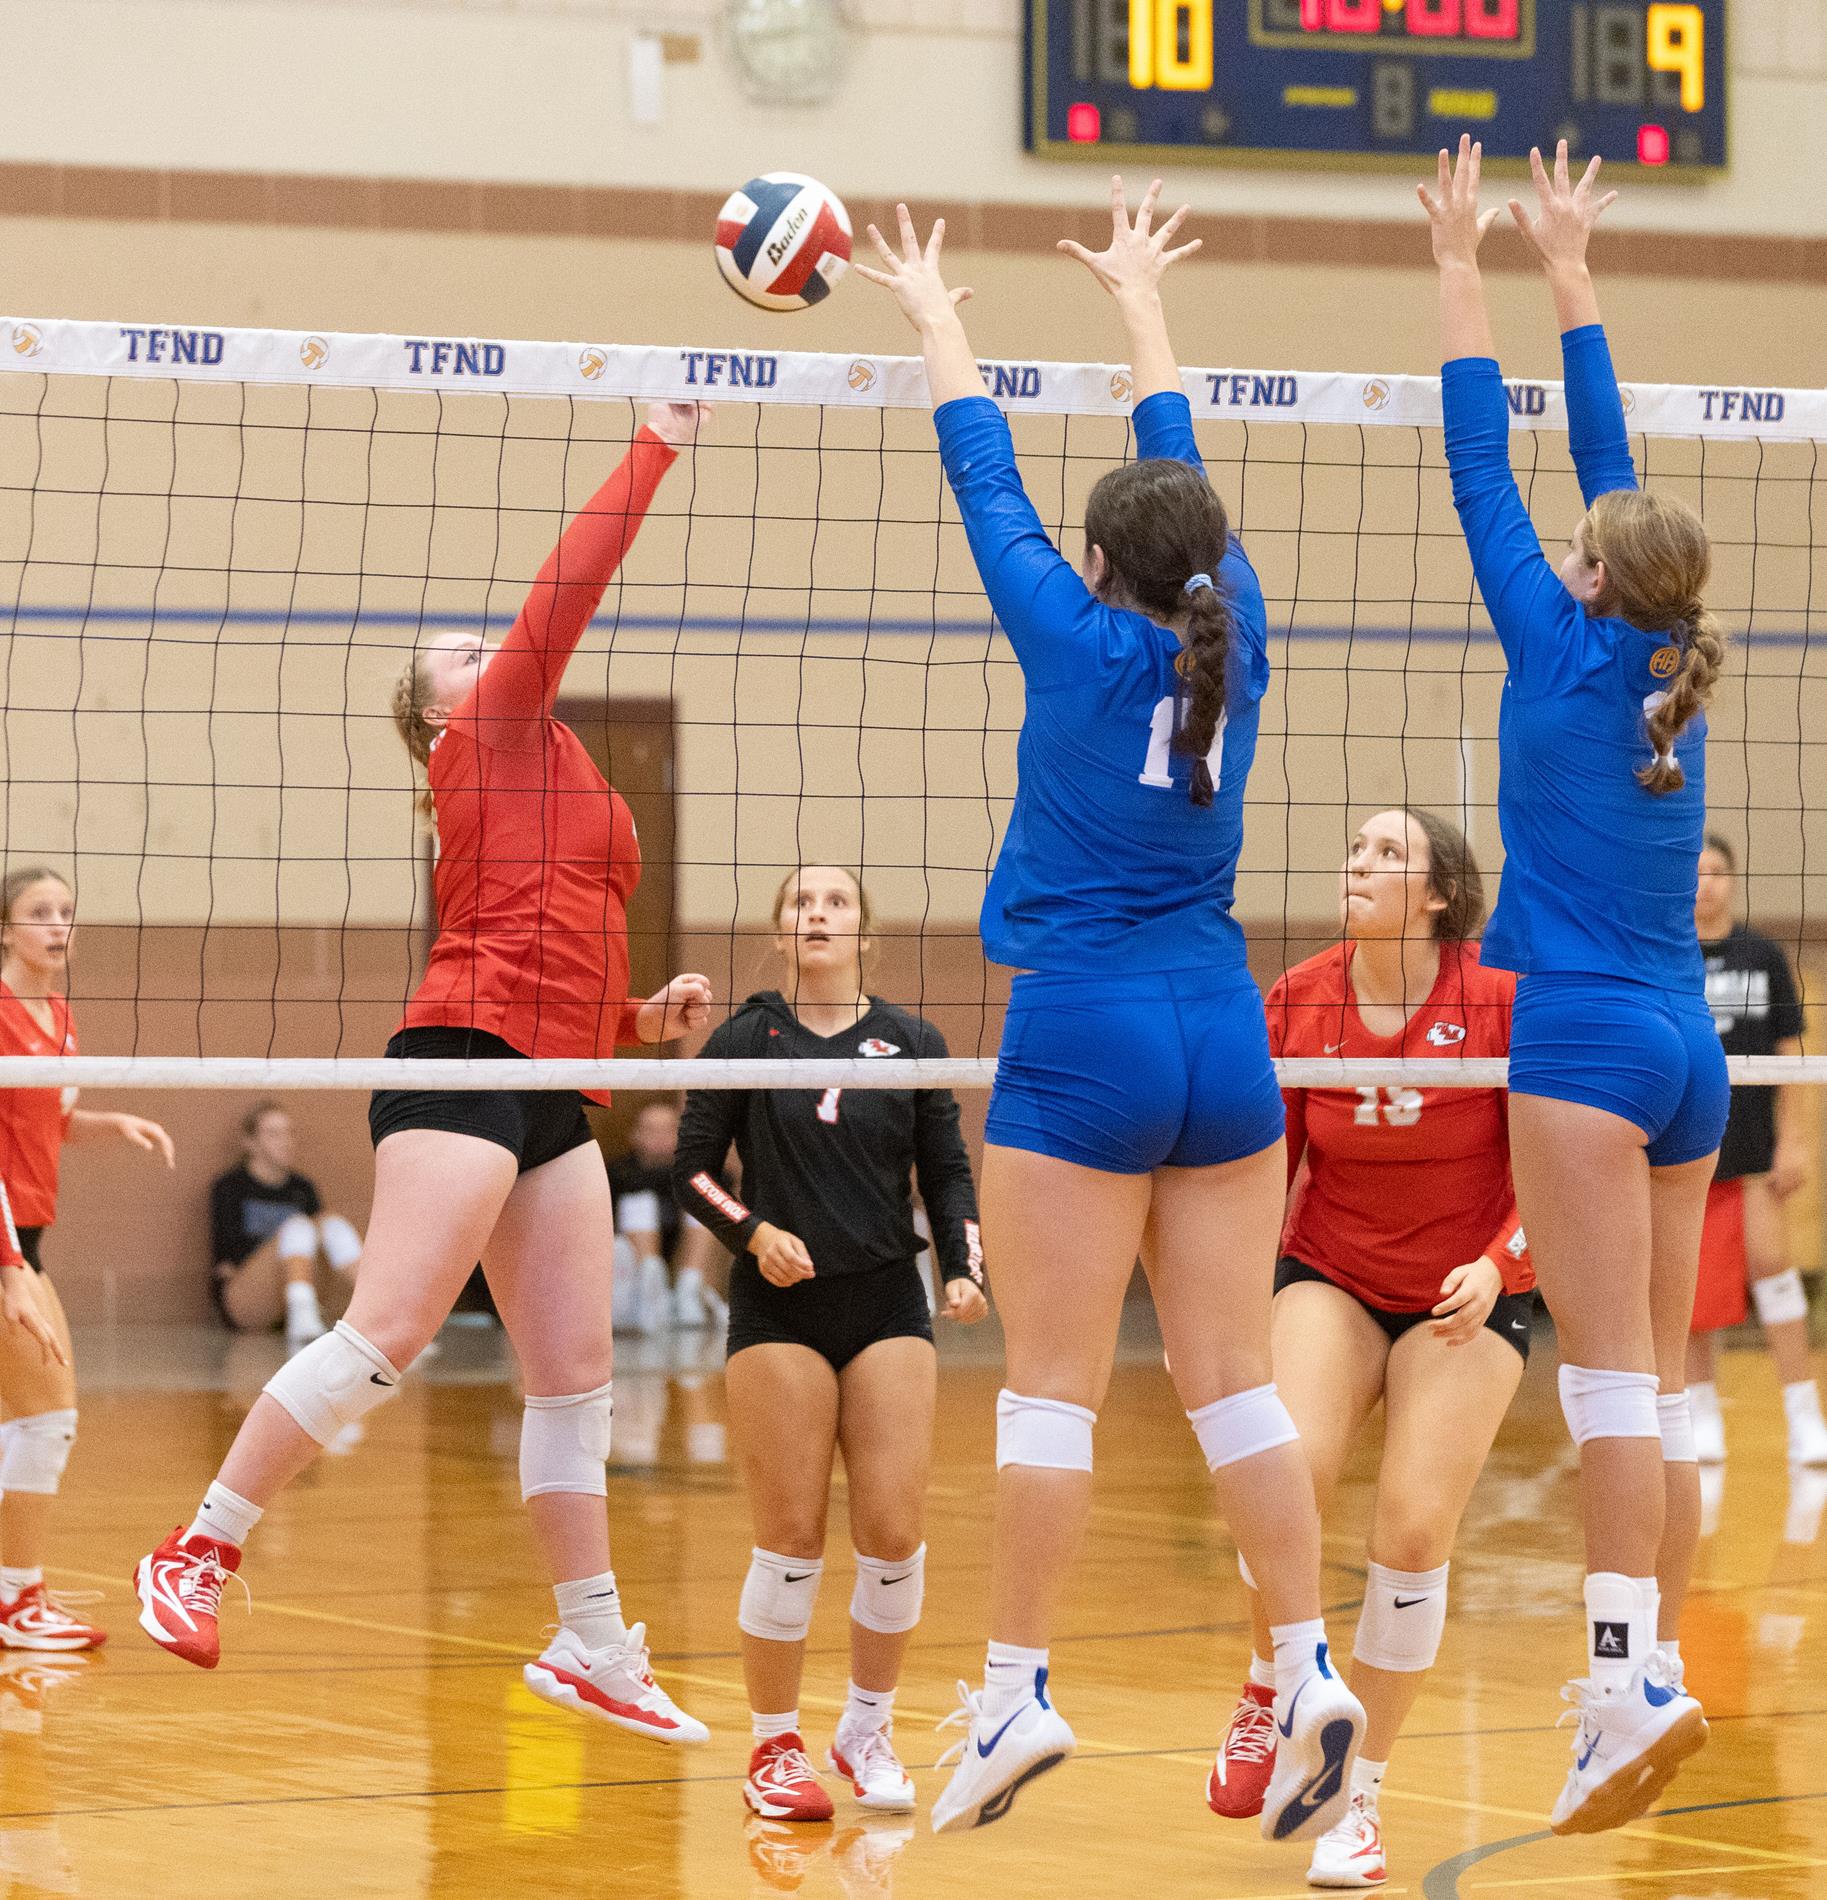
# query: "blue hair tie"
{"type": "Point", "coordinates": [1198, 581]}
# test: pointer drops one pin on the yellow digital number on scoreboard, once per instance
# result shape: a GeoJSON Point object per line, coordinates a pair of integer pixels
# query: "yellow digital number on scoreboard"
{"type": "Point", "coordinates": [1170, 45]}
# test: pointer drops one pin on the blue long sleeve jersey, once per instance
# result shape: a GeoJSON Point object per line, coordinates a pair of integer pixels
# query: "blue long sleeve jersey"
{"type": "Point", "coordinates": [1108, 866]}
{"type": "Point", "coordinates": [1599, 874]}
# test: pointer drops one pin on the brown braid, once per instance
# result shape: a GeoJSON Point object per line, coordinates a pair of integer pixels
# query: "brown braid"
{"type": "Point", "coordinates": [1160, 524]}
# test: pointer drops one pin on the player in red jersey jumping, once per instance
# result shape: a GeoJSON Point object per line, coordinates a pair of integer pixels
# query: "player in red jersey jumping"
{"type": "Point", "coordinates": [38, 1392]}
{"type": "Point", "coordinates": [1403, 1277]}
{"type": "Point", "coordinates": [537, 860]}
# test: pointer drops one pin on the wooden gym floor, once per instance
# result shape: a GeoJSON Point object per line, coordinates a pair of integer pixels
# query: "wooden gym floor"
{"type": "Point", "coordinates": [367, 1733]}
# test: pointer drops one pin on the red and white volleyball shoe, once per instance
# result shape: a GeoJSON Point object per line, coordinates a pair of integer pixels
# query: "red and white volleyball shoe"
{"type": "Point", "coordinates": [180, 1591]}
{"type": "Point", "coordinates": [781, 1785]}
{"type": "Point", "coordinates": [1350, 1854]}
{"type": "Point", "coordinates": [614, 1683]}
{"type": "Point", "coordinates": [1240, 1775]}
{"type": "Point", "coordinates": [865, 1757]}
{"type": "Point", "coordinates": [36, 1620]}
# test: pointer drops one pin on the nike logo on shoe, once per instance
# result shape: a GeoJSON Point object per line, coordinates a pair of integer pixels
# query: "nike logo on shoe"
{"type": "Point", "coordinates": [374, 1378]}
{"type": "Point", "coordinates": [1657, 1698]}
{"type": "Point", "coordinates": [983, 1753]}
{"type": "Point", "coordinates": [1287, 1727]}
{"type": "Point", "coordinates": [1592, 1748]}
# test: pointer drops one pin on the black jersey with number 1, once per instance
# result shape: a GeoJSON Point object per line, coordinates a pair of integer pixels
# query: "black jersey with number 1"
{"type": "Point", "coordinates": [1751, 992]}
{"type": "Point", "coordinates": [831, 1166]}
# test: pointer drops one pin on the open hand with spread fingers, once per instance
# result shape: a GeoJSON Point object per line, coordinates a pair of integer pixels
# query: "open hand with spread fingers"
{"type": "Point", "coordinates": [1565, 212]}
{"type": "Point", "coordinates": [914, 275]}
{"type": "Point", "coordinates": [1452, 208]}
{"type": "Point", "coordinates": [1137, 256]}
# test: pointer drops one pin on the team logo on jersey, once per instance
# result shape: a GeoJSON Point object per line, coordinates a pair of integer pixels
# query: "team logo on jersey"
{"type": "Point", "coordinates": [875, 1046]}
{"type": "Point", "coordinates": [1517, 1245]}
{"type": "Point", "coordinates": [1445, 1035]}
{"type": "Point", "coordinates": [1664, 662]}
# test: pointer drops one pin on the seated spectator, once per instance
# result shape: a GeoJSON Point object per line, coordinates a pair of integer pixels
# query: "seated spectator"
{"type": "Point", "coordinates": [660, 1254]}
{"type": "Point", "coordinates": [269, 1227]}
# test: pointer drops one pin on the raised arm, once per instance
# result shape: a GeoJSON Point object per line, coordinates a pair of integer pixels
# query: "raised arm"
{"type": "Point", "coordinates": [513, 697]}
{"type": "Point", "coordinates": [1559, 230]}
{"type": "Point", "coordinates": [1050, 615]}
{"type": "Point", "coordinates": [1522, 593]}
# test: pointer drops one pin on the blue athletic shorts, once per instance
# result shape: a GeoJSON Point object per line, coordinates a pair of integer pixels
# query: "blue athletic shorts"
{"type": "Point", "coordinates": [1652, 1056]}
{"type": "Point", "coordinates": [1133, 1073]}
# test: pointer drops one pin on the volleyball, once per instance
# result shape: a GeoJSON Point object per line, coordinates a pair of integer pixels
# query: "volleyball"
{"type": "Point", "coordinates": [783, 241]}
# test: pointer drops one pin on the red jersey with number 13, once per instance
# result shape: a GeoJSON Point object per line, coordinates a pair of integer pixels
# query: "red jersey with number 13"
{"type": "Point", "coordinates": [1402, 1185]}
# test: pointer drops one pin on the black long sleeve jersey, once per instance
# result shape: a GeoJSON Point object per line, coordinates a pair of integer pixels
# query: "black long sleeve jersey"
{"type": "Point", "coordinates": [832, 1167]}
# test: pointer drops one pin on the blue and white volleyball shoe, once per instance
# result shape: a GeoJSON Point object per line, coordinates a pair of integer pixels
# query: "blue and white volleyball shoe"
{"type": "Point", "coordinates": [1319, 1725]}
{"type": "Point", "coordinates": [998, 1756]}
{"type": "Point", "coordinates": [1626, 1747]}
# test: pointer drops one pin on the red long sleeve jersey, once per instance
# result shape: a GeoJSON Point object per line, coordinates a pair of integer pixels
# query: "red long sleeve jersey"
{"type": "Point", "coordinates": [537, 856]}
{"type": "Point", "coordinates": [1402, 1184]}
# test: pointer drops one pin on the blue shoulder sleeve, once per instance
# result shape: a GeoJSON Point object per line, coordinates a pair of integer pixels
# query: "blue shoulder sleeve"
{"type": "Point", "coordinates": [1536, 618]}
{"type": "Point", "coordinates": [1595, 414]}
{"type": "Point", "coordinates": [1052, 618]}
{"type": "Point", "coordinates": [1164, 429]}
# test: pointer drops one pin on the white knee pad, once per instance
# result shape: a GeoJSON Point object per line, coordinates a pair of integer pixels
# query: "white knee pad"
{"type": "Point", "coordinates": [335, 1382]}
{"type": "Point", "coordinates": [888, 1596]}
{"type": "Point", "coordinates": [1245, 1424]}
{"type": "Point", "coordinates": [778, 1595]}
{"type": "Point", "coordinates": [1675, 1417]}
{"type": "Point", "coordinates": [296, 1238]}
{"type": "Point", "coordinates": [1600, 1404]}
{"type": "Point", "coordinates": [341, 1243]}
{"type": "Point", "coordinates": [564, 1443]}
{"type": "Point", "coordinates": [1779, 1298]}
{"type": "Point", "coordinates": [1404, 1614]}
{"type": "Point", "coordinates": [36, 1450]}
{"type": "Point", "coordinates": [1050, 1434]}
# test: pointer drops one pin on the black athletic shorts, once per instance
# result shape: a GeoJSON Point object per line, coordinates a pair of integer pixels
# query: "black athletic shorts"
{"type": "Point", "coordinates": [534, 1125]}
{"type": "Point", "coordinates": [29, 1237]}
{"type": "Point", "coordinates": [837, 1317]}
{"type": "Point", "coordinates": [1511, 1318]}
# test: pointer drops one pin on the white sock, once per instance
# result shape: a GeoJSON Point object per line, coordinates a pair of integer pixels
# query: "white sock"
{"type": "Point", "coordinates": [1261, 1673]}
{"type": "Point", "coordinates": [591, 1609]}
{"type": "Point", "coordinates": [1294, 1647]}
{"type": "Point", "coordinates": [1620, 1627]}
{"type": "Point", "coordinates": [301, 1301]}
{"type": "Point", "coordinates": [1367, 1780]}
{"type": "Point", "coordinates": [225, 1516]}
{"type": "Point", "coordinates": [13, 1581]}
{"type": "Point", "coordinates": [867, 1708]}
{"type": "Point", "coordinates": [1008, 1677]}
{"type": "Point", "coordinates": [765, 1728]}
{"type": "Point", "coordinates": [1801, 1401]}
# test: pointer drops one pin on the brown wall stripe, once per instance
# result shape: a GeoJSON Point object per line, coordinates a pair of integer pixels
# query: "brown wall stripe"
{"type": "Point", "coordinates": [400, 204]}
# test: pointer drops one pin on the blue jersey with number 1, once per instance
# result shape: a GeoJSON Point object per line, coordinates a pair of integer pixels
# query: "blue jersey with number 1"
{"type": "Point", "coordinates": [1108, 867]}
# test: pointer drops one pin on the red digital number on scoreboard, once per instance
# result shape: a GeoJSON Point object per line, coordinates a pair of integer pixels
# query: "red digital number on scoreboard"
{"type": "Point", "coordinates": [1424, 19]}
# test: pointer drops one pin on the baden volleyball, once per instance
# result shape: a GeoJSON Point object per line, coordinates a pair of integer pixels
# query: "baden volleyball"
{"type": "Point", "coordinates": [783, 241]}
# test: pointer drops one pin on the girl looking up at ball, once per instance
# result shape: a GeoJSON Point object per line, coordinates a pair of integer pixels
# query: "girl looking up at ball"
{"type": "Point", "coordinates": [1135, 1108]}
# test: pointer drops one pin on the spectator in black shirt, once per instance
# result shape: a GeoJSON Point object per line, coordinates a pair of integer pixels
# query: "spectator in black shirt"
{"type": "Point", "coordinates": [1763, 1160]}
{"type": "Point", "coordinates": [269, 1225]}
{"type": "Point", "coordinates": [830, 1330]}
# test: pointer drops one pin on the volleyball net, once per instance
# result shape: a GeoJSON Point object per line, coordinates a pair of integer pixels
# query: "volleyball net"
{"type": "Point", "coordinates": [220, 548]}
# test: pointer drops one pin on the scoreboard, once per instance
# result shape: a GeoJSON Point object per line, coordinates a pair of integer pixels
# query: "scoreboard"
{"type": "Point", "coordinates": [1640, 82]}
